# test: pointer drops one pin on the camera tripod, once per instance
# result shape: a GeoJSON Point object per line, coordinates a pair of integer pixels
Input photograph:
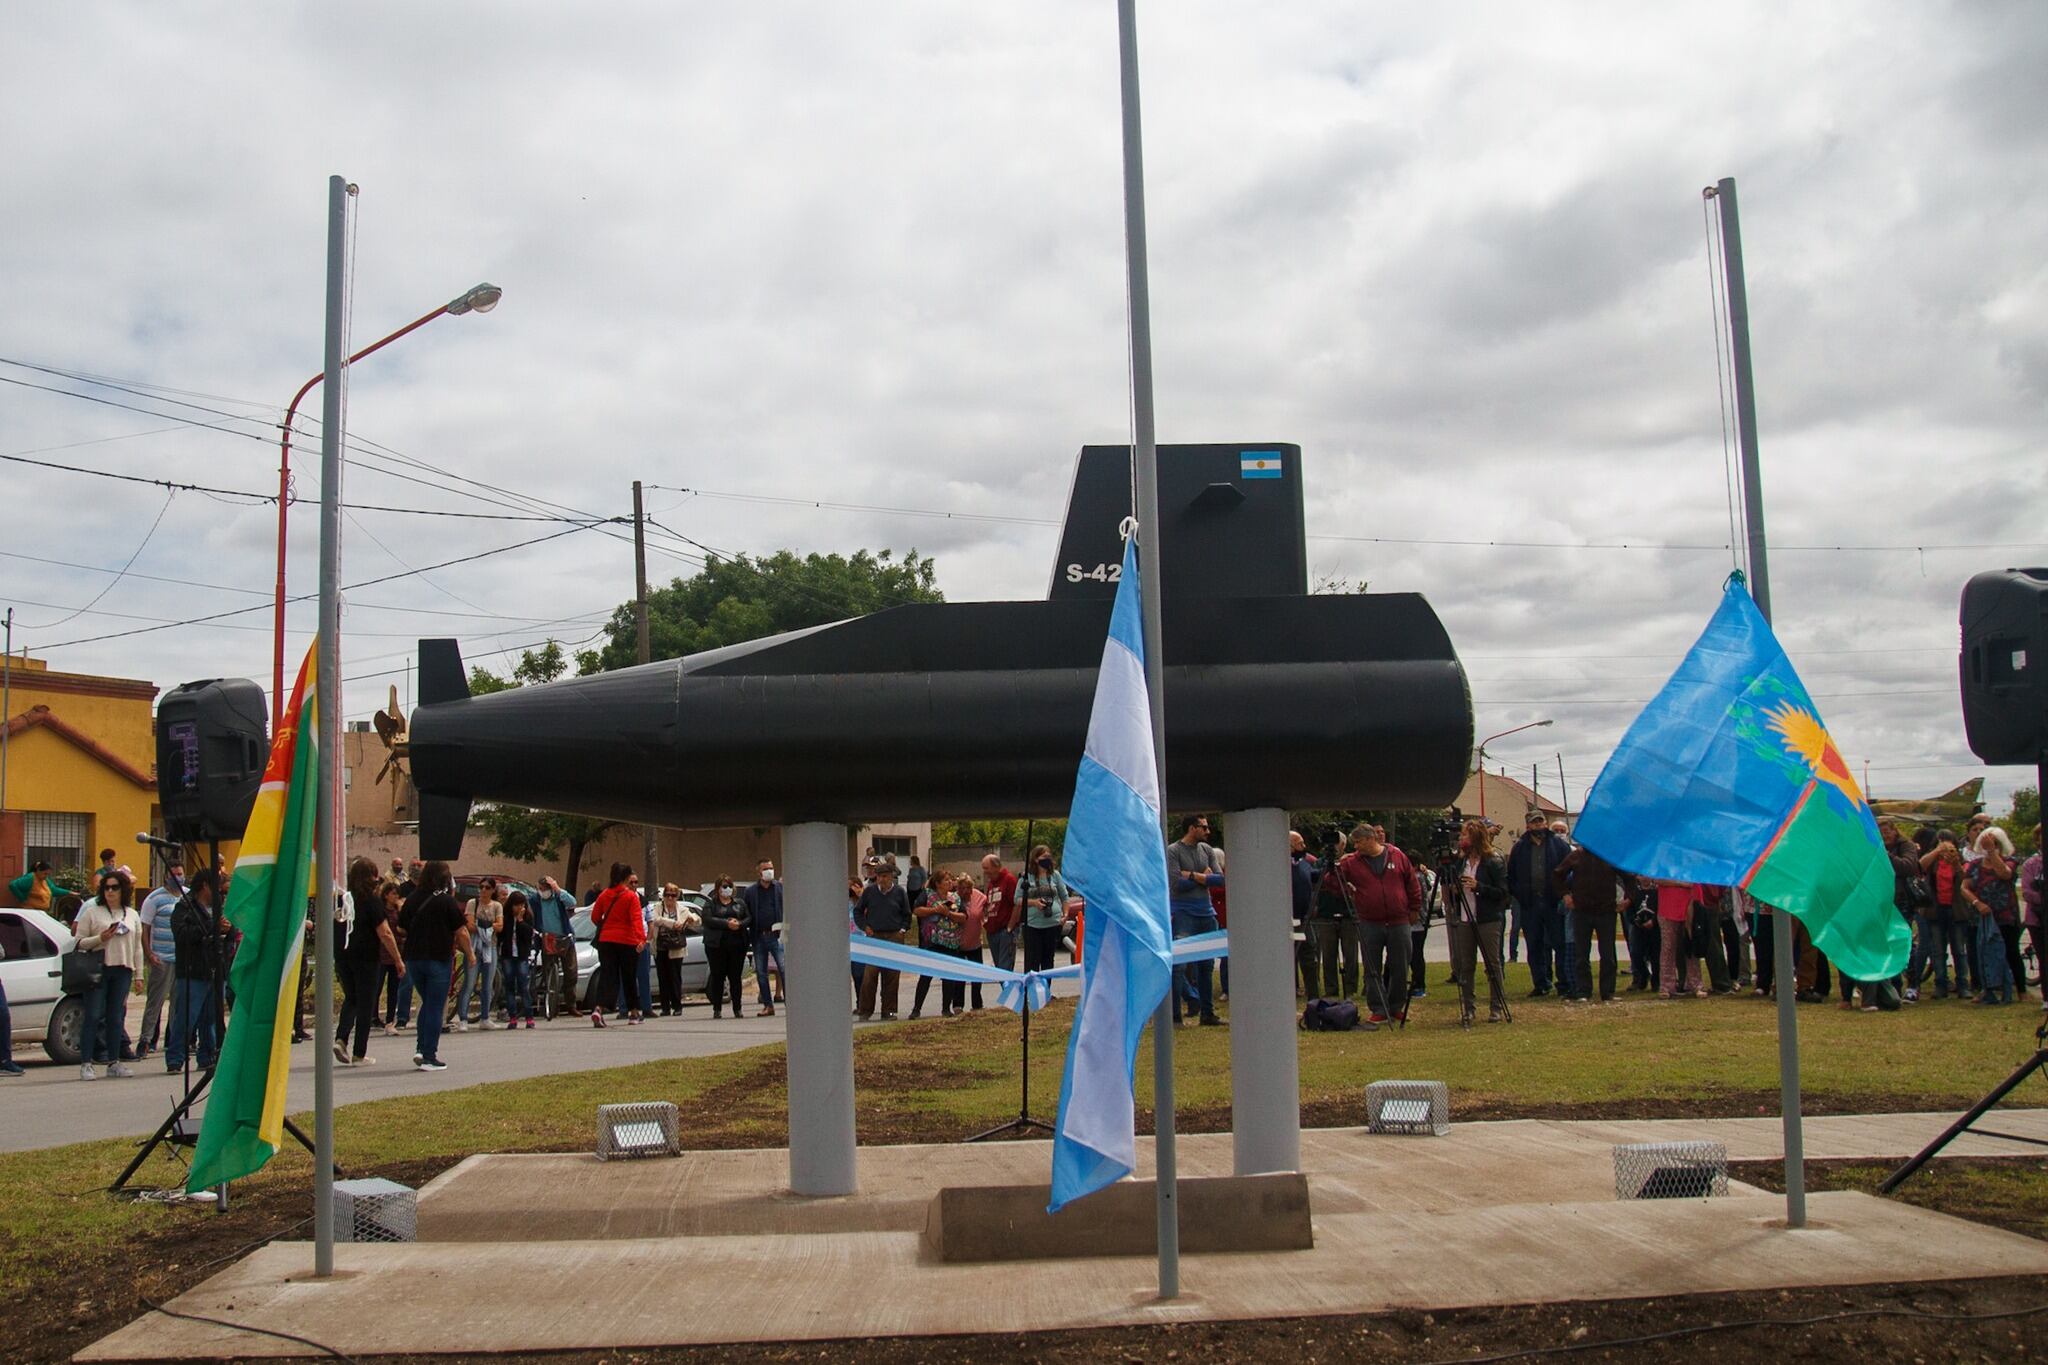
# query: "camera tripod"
{"type": "Point", "coordinates": [1983, 1106]}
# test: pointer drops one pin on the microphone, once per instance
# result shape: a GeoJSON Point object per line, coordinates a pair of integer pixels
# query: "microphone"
{"type": "Point", "coordinates": [168, 845]}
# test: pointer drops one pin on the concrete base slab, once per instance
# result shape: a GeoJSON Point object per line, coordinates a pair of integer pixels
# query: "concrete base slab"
{"type": "Point", "coordinates": [711, 1194]}
{"type": "Point", "coordinates": [981, 1223]}
{"type": "Point", "coordinates": [1494, 1213]}
{"type": "Point", "coordinates": [410, 1297]}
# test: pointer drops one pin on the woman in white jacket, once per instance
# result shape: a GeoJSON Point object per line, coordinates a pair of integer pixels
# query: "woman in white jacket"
{"type": "Point", "coordinates": [674, 922]}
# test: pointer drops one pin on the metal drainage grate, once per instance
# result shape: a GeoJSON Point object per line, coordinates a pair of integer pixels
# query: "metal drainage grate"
{"type": "Point", "coordinates": [643, 1129]}
{"type": "Point", "coordinates": [374, 1211]}
{"type": "Point", "coordinates": [1417, 1108]}
{"type": "Point", "coordinates": [1670, 1170]}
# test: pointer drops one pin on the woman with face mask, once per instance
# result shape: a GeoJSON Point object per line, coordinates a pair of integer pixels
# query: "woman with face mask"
{"type": "Point", "coordinates": [1045, 910]}
{"type": "Point", "coordinates": [728, 937]}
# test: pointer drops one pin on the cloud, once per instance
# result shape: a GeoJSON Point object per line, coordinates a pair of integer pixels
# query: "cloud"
{"type": "Point", "coordinates": [874, 255]}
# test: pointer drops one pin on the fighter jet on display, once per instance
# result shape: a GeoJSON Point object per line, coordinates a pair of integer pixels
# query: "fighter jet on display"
{"type": "Point", "coordinates": [1953, 807]}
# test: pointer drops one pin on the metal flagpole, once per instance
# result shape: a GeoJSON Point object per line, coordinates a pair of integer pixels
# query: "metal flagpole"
{"type": "Point", "coordinates": [327, 691]}
{"type": "Point", "coordinates": [1723, 195]}
{"type": "Point", "coordinates": [1145, 507]}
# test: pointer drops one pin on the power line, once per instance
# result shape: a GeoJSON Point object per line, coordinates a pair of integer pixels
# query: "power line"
{"type": "Point", "coordinates": [120, 573]}
{"type": "Point", "coordinates": [303, 597]}
{"type": "Point", "coordinates": [255, 497]}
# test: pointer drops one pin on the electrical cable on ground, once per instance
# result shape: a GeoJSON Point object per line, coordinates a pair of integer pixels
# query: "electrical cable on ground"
{"type": "Point", "coordinates": [155, 1307]}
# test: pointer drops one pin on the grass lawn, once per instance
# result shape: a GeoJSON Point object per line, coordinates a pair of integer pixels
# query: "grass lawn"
{"type": "Point", "coordinates": [939, 1080]}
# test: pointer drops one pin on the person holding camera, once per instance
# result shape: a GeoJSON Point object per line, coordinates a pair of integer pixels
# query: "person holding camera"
{"type": "Point", "coordinates": [554, 917]}
{"type": "Point", "coordinates": [1045, 896]}
{"type": "Point", "coordinates": [1333, 930]}
{"type": "Point", "coordinates": [108, 926]}
{"type": "Point", "coordinates": [1474, 907]}
{"type": "Point", "coordinates": [1948, 925]}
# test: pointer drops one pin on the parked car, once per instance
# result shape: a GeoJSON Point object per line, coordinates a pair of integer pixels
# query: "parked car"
{"type": "Point", "coordinates": [696, 970]}
{"type": "Point", "coordinates": [467, 883]}
{"type": "Point", "coordinates": [32, 948]}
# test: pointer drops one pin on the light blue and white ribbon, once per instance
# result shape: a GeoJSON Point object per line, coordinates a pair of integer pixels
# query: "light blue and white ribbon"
{"type": "Point", "coordinates": [1014, 987]}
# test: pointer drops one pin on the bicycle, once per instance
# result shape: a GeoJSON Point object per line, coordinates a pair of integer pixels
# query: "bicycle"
{"type": "Point", "coordinates": [548, 977]}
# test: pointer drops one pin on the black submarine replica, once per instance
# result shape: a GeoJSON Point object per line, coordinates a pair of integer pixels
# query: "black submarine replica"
{"type": "Point", "coordinates": [964, 710]}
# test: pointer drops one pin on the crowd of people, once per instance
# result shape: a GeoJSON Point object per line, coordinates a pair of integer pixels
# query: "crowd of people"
{"type": "Point", "coordinates": [405, 939]}
{"type": "Point", "coordinates": [1967, 899]}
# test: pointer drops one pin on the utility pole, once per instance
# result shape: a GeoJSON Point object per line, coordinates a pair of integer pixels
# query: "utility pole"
{"type": "Point", "coordinates": [1723, 195]}
{"type": "Point", "coordinates": [650, 877]}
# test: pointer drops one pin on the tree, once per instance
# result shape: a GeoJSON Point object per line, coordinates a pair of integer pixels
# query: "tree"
{"type": "Point", "coordinates": [1006, 833]}
{"type": "Point", "coordinates": [731, 601]}
{"type": "Point", "coordinates": [517, 831]}
{"type": "Point", "coordinates": [2025, 814]}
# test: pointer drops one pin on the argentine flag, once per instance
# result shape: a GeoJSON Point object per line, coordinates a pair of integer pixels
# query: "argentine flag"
{"type": "Point", "coordinates": [1116, 860]}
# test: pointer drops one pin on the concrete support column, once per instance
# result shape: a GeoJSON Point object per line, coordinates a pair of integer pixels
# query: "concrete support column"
{"type": "Point", "coordinates": [1265, 1085]}
{"type": "Point", "coordinates": [821, 1141]}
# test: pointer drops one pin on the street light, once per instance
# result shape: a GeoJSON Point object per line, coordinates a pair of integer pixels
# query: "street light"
{"type": "Point", "coordinates": [482, 299]}
{"type": "Point", "coordinates": [1479, 758]}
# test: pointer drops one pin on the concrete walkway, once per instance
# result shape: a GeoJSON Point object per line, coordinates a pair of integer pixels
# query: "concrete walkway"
{"type": "Point", "coordinates": [673, 1252]}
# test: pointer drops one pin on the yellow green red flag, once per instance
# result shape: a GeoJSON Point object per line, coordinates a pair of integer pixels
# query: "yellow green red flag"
{"type": "Point", "coordinates": [244, 1124]}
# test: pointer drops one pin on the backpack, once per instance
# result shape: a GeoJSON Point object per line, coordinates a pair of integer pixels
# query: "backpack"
{"type": "Point", "coordinates": [1330, 1016]}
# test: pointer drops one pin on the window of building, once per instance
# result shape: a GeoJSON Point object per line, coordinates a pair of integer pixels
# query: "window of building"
{"type": "Point", "coordinates": [57, 838]}
{"type": "Point", "coordinates": [902, 845]}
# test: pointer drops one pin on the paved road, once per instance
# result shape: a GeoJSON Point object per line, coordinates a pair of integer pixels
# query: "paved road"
{"type": "Point", "coordinates": [50, 1105]}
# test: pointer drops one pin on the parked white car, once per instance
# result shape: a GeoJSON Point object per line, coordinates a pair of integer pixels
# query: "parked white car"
{"type": "Point", "coordinates": [32, 948]}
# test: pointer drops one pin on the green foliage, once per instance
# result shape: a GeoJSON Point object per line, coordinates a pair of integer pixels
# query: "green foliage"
{"type": "Point", "coordinates": [731, 601]}
{"type": "Point", "coordinates": [2020, 821]}
{"type": "Point", "coordinates": [518, 832]}
{"type": "Point", "coordinates": [1406, 829]}
{"type": "Point", "coordinates": [1009, 833]}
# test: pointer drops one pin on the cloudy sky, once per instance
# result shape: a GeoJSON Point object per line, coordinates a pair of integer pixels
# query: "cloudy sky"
{"type": "Point", "coordinates": [872, 254]}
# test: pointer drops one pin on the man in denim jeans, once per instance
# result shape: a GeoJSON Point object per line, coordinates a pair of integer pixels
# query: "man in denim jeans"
{"type": "Point", "coordinates": [1191, 869]}
{"type": "Point", "coordinates": [763, 900]}
{"type": "Point", "coordinates": [999, 919]}
{"type": "Point", "coordinates": [1947, 932]}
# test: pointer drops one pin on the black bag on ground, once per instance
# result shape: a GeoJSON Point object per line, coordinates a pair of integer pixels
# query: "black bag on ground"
{"type": "Point", "coordinates": [1330, 1016]}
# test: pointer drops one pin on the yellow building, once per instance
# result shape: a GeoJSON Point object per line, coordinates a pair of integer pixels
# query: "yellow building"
{"type": "Point", "coordinates": [81, 769]}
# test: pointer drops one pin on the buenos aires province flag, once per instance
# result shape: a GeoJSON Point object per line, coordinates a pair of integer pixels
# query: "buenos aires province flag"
{"type": "Point", "coordinates": [1729, 778]}
{"type": "Point", "coordinates": [244, 1124]}
{"type": "Point", "coordinates": [1116, 859]}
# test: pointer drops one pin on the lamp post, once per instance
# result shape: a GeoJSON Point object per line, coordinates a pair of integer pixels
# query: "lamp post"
{"type": "Point", "coordinates": [1479, 758]}
{"type": "Point", "coordinates": [481, 299]}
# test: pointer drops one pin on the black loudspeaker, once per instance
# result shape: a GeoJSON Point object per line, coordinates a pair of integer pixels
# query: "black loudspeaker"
{"type": "Point", "coordinates": [2004, 665]}
{"type": "Point", "coordinates": [212, 740]}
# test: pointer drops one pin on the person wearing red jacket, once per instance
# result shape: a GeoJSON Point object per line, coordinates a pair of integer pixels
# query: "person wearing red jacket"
{"type": "Point", "coordinates": [1382, 889]}
{"type": "Point", "coordinates": [621, 933]}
